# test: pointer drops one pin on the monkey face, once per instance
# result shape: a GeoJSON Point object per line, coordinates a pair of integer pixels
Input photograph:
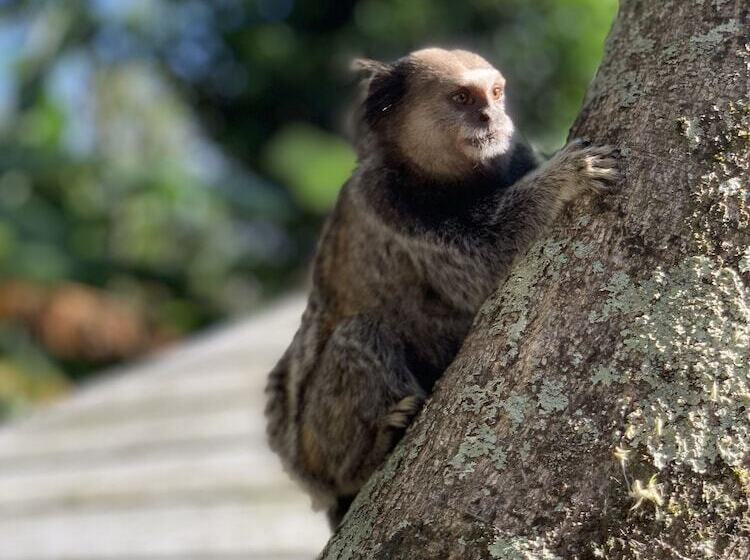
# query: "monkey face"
{"type": "Point", "coordinates": [459, 112]}
{"type": "Point", "coordinates": [443, 110]}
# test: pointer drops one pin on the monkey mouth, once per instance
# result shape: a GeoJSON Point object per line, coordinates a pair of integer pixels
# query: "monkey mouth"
{"type": "Point", "coordinates": [482, 140]}
{"type": "Point", "coordinates": [485, 144]}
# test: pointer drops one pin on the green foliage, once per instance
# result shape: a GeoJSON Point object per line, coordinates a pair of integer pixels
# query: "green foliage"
{"type": "Point", "coordinates": [179, 156]}
{"type": "Point", "coordinates": [321, 164]}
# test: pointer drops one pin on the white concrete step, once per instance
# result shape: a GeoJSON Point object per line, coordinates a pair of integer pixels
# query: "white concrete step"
{"type": "Point", "coordinates": [165, 459]}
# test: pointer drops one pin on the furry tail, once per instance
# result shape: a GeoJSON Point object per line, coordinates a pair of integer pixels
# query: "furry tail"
{"type": "Point", "coordinates": [337, 512]}
{"type": "Point", "coordinates": [277, 403]}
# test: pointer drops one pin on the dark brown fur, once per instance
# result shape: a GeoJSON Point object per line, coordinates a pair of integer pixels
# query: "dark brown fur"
{"type": "Point", "coordinates": [428, 225]}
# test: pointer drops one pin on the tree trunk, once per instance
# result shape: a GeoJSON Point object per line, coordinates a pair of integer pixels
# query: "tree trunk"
{"type": "Point", "coordinates": [600, 406]}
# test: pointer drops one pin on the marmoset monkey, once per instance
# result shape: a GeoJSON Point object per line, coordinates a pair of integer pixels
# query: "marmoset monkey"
{"type": "Point", "coordinates": [445, 196]}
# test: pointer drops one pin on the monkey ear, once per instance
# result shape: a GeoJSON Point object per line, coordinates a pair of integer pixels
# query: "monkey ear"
{"type": "Point", "coordinates": [384, 86]}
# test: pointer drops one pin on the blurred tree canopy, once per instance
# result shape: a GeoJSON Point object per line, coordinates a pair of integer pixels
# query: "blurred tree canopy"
{"type": "Point", "coordinates": [166, 163]}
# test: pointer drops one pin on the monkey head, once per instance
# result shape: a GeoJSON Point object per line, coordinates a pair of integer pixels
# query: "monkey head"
{"type": "Point", "coordinates": [442, 112]}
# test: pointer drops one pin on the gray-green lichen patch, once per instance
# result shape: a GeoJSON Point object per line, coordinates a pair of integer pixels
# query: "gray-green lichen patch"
{"type": "Point", "coordinates": [546, 258]}
{"type": "Point", "coordinates": [621, 299]}
{"type": "Point", "coordinates": [709, 41]}
{"type": "Point", "coordinates": [689, 332]}
{"type": "Point", "coordinates": [515, 331]}
{"type": "Point", "coordinates": [482, 402]}
{"type": "Point", "coordinates": [494, 403]}
{"type": "Point", "coordinates": [487, 405]}
{"type": "Point", "coordinates": [641, 45]}
{"type": "Point", "coordinates": [701, 45]}
{"type": "Point", "coordinates": [479, 441]}
{"type": "Point", "coordinates": [416, 445]}
{"type": "Point", "coordinates": [515, 406]}
{"type": "Point", "coordinates": [551, 397]}
{"type": "Point", "coordinates": [582, 250]}
{"type": "Point", "coordinates": [606, 375]}
{"type": "Point", "coordinates": [520, 548]}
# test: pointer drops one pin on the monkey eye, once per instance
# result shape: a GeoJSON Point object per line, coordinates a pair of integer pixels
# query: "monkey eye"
{"type": "Point", "coordinates": [497, 92]}
{"type": "Point", "coordinates": [462, 98]}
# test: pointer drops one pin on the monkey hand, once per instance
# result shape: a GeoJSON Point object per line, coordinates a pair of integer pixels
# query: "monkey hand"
{"type": "Point", "coordinates": [586, 168]}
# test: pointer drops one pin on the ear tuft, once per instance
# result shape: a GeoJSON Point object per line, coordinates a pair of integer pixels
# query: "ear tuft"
{"type": "Point", "coordinates": [371, 68]}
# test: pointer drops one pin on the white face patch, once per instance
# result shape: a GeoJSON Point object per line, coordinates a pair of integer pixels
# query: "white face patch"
{"type": "Point", "coordinates": [479, 76]}
{"type": "Point", "coordinates": [478, 148]}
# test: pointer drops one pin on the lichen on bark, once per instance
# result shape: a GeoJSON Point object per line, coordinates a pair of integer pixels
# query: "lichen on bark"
{"type": "Point", "coordinates": [685, 341]}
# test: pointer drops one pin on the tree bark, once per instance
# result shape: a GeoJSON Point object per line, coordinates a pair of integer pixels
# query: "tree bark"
{"type": "Point", "coordinates": [600, 406]}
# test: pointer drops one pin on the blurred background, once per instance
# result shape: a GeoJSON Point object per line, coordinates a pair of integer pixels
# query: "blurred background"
{"type": "Point", "coordinates": [165, 164]}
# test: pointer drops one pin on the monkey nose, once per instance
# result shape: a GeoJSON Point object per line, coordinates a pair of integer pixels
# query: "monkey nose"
{"type": "Point", "coordinates": [484, 116]}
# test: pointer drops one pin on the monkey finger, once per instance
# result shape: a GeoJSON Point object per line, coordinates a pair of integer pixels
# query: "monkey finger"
{"type": "Point", "coordinates": [609, 175]}
{"type": "Point", "coordinates": [601, 151]}
{"type": "Point", "coordinates": [607, 162]}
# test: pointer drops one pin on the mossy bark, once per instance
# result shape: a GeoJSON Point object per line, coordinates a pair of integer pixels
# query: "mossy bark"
{"type": "Point", "coordinates": [599, 407]}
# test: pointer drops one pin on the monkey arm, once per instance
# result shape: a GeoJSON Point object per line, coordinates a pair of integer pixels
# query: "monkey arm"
{"type": "Point", "coordinates": [529, 206]}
